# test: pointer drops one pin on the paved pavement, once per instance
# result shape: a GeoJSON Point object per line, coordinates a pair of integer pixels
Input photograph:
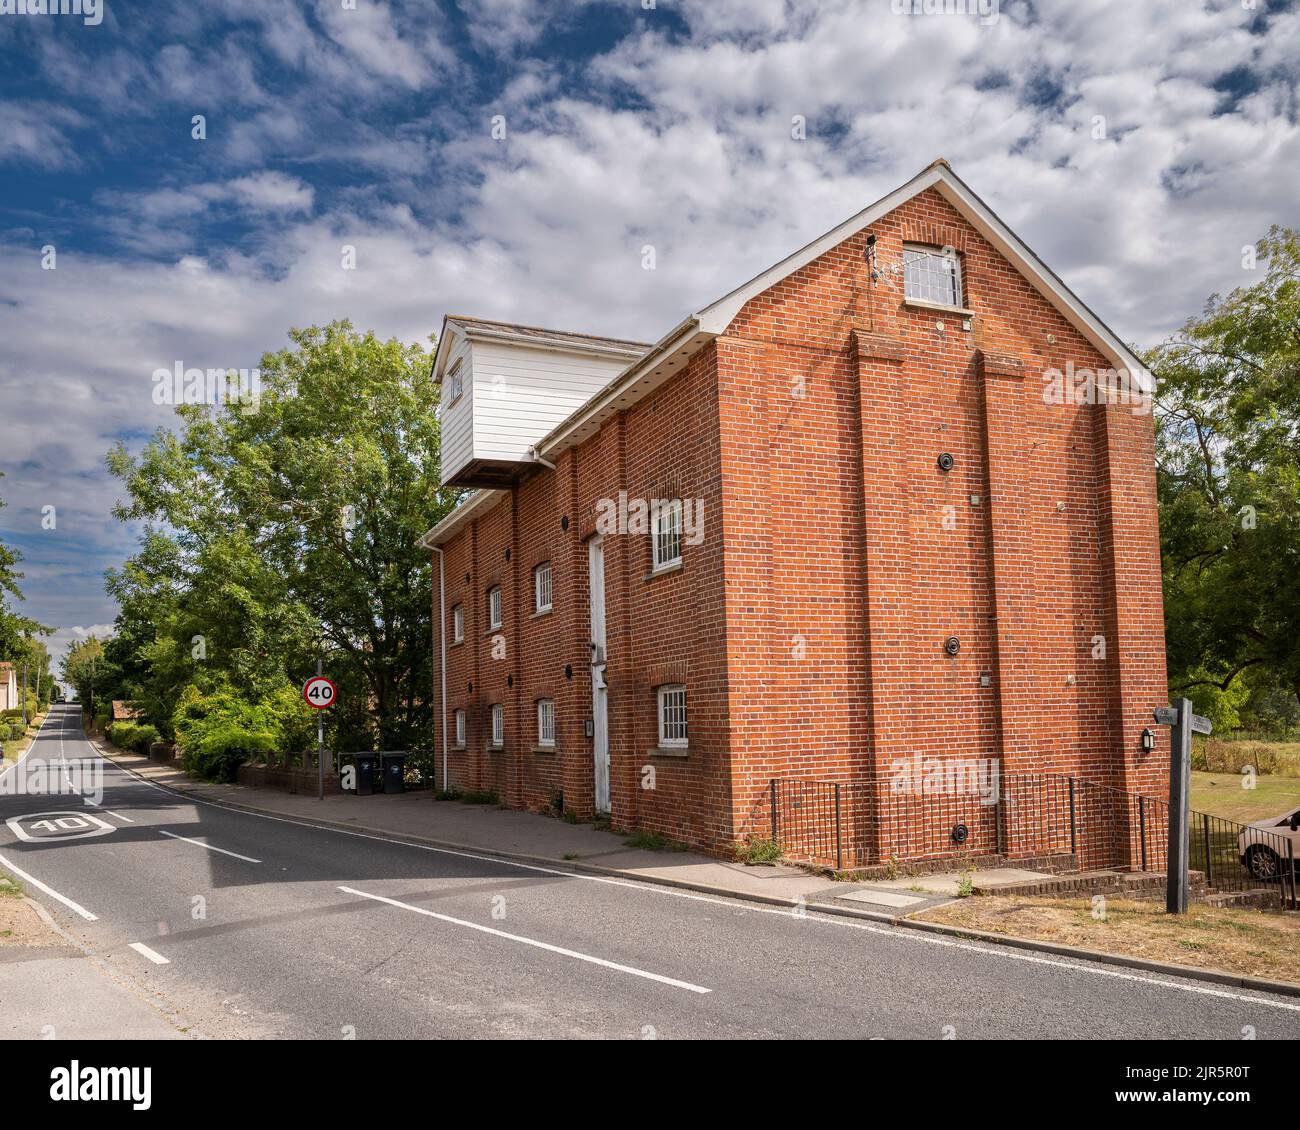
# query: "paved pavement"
{"type": "Point", "coordinates": [260, 925]}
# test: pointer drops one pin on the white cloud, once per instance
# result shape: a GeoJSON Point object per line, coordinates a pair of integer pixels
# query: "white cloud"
{"type": "Point", "coordinates": [681, 141]}
{"type": "Point", "coordinates": [37, 133]}
{"type": "Point", "coordinates": [273, 192]}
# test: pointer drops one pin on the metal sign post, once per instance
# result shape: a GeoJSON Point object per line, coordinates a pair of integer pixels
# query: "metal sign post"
{"type": "Point", "coordinates": [320, 748]}
{"type": "Point", "coordinates": [1184, 723]}
{"type": "Point", "coordinates": [319, 693]}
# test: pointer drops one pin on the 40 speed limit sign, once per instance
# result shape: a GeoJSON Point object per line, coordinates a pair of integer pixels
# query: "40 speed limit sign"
{"type": "Point", "coordinates": [319, 692]}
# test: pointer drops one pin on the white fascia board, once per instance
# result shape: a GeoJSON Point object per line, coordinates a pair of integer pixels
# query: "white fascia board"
{"type": "Point", "coordinates": [529, 341]}
{"type": "Point", "coordinates": [716, 318]}
{"type": "Point", "coordinates": [443, 350]}
{"type": "Point", "coordinates": [1043, 278]}
{"type": "Point", "coordinates": [478, 503]}
{"type": "Point", "coordinates": [624, 386]}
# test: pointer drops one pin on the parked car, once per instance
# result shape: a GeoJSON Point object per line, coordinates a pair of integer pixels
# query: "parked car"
{"type": "Point", "coordinates": [1263, 845]}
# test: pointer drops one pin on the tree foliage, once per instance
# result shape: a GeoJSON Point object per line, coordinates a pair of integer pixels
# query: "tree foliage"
{"type": "Point", "coordinates": [15, 629]}
{"type": "Point", "coordinates": [1228, 462]}
{"type": "Point", "coordinates": [279, 532]}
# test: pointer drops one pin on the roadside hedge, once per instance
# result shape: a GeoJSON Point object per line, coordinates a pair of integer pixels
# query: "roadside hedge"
{"type": "Point", "coordinates": [219, 731]}
{"type": "Point", "coordinates": [132, 736]}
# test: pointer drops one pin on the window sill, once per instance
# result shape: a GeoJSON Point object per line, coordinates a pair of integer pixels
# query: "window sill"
{"type": "Point", "coordinates": [493, 632]}
{"type": "Point", "coordinates": [940, 307]}
{"type": "Point", "coordinates": [456, 749]}
{"type": "Point", "coordinates": [662, 569]}
{"type": "Point", "coordinates": [542, 612]}
{"type": "Point", "coordinates": [457, 643]}
{"type": "Point", "coordinates": [669, 751]}
{"type": "Point", "coordinates": [496, 749]}
{"type": "Point", "coordinates": [546, 749]}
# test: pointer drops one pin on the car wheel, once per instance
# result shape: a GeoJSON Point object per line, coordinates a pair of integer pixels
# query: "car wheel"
{"type": "Point", "coordinates": [1264, 864]}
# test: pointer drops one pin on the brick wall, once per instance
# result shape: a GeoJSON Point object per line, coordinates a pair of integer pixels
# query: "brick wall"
{"type": "Point", "coordinates": [837, 558]}
{"type": "Point", "coordinates": [668, 628]}
{"type": "Point", "coordinates": [1036, 549]}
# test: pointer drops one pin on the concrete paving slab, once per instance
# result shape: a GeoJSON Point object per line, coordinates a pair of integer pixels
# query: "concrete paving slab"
{"type": "Point", "coordinates": [883, 898]}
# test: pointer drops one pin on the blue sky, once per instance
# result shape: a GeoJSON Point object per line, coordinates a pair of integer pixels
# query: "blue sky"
{"type": "Point", "coordinates": [370, 125]}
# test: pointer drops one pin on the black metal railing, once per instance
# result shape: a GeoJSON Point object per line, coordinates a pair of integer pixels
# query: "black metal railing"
{"type": "Point", "coordinates": [1086, 826]}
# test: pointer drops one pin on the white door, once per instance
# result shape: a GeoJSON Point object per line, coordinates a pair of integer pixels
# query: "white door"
{"type": "Point", "coordinates": [599, 689]}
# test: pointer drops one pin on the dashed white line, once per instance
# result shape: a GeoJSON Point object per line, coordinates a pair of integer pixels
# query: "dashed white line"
{"type": "Point", "coordinates": [152, 955]}
{"type": "Point", "coordinates": [534, 942]}
{"type": "Point", "coordinates": [209, 847]}
{"type": "Point", "coordinates": [35, 882]}
{"type": "Point", "coordinates": [896, 933]}
{"type": "Point", "coordinates": [119, 816]}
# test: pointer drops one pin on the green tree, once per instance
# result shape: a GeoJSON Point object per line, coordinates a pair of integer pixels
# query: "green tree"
{"type": "Point", "coordinates": [83, 670]}
{"type": "Point", "coordinates": [40, 682]}
{"type": "Point", "coordinates": [1228, 467]}
{"type": "Point", "coordinates": [13, 627]}
{"type": "Point", "coordinates": [286, 529]}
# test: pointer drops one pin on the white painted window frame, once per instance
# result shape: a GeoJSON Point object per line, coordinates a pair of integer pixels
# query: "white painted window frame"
{"type": "Point", "coordinates": [926, 269]}
{"type": "Point", "coordinates": [543, 588]}
{"type": "Point", "coordinates": [546, 721]}
{"type": "Point", "coordinates": [666, 539]}
{"type": "Point", "coordinates": [671, 691]}
{"type": "Point", "coordinates": [494, 608]}
{"type": "Point", "coordinates": [458, 717]}
{"type": "Point", "coordinates": [498, 725]}
{"type": "Point", "coordinates": [458, 623]}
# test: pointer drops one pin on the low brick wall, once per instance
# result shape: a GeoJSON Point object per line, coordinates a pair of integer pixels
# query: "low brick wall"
{"type": "Point", "coordinates": [1142, 885]}
{"type": "Point", "coordinates": [903, 868]}
{"type": "Point", "coordinates": [294, 780]}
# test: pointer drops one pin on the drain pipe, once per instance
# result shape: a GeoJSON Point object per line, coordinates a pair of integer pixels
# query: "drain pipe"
{"type": "Point", "coordinates": [538, 459]}
{"type": "Point", "coordinates": [442, 663]}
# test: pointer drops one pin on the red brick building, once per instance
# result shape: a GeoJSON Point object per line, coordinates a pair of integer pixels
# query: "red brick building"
{"type": "Point", "coordinates": [899, 523]}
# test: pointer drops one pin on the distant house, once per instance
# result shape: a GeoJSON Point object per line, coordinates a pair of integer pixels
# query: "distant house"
{"type": "Point", "coordinates": [125, 711]}
{"type": "Point", "coordinates": [9, 687]}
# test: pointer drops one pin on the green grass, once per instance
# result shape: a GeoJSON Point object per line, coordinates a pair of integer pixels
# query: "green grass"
{"type": "Point", "coordinates": [647, 841]}
{"type": "Point", "coordinates": [10, 888]}
{"type": "Point", "coordinates": [1221, 794]}
{"type": "Point", "coordinates": [479, 796]}
{"type": "Point", "coordinates": [653, 841]}
{"type": "Point", "coordinates": [758, 849]}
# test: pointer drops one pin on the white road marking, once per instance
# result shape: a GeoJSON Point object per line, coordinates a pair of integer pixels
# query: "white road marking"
{"type": "Point", "coordinates": [35, 882]}
{"type": "Point", "coordinates": [119, 816]}
{"type": "Point", "coordinates": [533, 942]}
{"type": "Point", "coordinates": [209, 847]}
{"type": "Point", "coordinates": [31, 746]}
{"type": "Point", "coordinates": [899, 933]}
{"type": "Point", "coordinates": [156, 958]}
{"type": "Point", "coordinates": [97, 826]}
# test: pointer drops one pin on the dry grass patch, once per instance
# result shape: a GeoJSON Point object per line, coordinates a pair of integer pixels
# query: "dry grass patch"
{"type": "Point", "coordinates": [20, 925]}
{"type": "Point", "coordinates": [1256, 943]}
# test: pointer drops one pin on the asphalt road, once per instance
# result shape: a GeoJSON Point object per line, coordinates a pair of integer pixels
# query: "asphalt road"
{"type": "Point", "coordinates": [251, 926]}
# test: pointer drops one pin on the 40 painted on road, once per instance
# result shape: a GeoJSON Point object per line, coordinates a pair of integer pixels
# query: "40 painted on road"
{"type": "Point", "coordinates": [43, 827]}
